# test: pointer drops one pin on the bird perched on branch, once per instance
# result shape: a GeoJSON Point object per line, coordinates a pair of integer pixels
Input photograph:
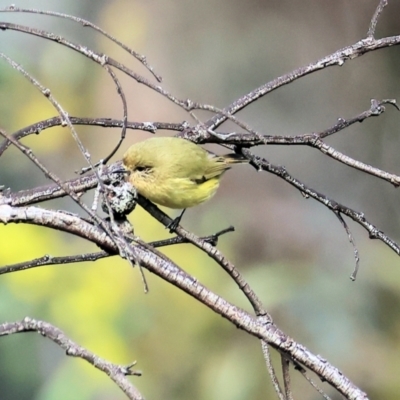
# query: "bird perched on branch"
{"type": "Point", "coordinates": [175, 172]}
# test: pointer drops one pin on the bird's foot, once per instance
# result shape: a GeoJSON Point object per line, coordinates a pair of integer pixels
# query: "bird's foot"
{"type": "Point", "coordinates": [173, 225]}
{"type": "Point", "coordinates": [175, 222]}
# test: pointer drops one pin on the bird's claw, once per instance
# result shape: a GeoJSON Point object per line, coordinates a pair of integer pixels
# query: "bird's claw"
{"type": "Point", "coordinates": [173, 224]}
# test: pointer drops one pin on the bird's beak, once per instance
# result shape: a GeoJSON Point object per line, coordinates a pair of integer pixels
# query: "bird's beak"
{"type": "Point", "coordinates": [120, 171]}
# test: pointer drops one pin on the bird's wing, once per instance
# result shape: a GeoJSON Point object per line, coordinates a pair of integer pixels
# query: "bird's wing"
{"type": "Point", "coordinates": [213, 169]}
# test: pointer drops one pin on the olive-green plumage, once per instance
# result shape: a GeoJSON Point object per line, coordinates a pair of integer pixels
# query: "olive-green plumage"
{"type": "Point", "coordinates": [174, 172]}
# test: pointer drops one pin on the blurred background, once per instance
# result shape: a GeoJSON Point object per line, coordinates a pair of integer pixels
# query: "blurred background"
{"type": "Point", "coordinates": [292, 251]}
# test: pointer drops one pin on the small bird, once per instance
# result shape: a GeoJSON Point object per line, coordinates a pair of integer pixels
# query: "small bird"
{"type": "Point", "coordinates": [175, 172]}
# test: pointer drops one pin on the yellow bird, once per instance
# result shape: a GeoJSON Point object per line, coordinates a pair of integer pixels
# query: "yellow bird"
{"type": "Point", "coordinates": [175, 172]}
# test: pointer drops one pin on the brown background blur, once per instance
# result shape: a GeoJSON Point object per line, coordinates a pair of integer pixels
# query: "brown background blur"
{"type": "Point", "coordinates": [293, 251]}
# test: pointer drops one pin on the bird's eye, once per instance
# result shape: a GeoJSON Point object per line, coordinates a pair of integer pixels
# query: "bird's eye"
{"type": "Point", "coordinates": [142, 168]}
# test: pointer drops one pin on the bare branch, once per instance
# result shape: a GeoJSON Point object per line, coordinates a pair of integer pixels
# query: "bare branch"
{"type": "Point", "coordinates": [36, 128]}
{"type": "Point", "coordinates": [51, 260]}
{"type": "Point", "coordinates": [308, 139]}
{"type": "Point", "coordinates": [28, 152]}
{"type": "Point", "coordinates": [115, 237]}
{"type": "Point", "coordinates": [338, 58]}
{"type": "Point", "coordinates": [48, 192]}
{"type": "Point", "coordinates": [117, 373]}
{"type": "Point", "coordinates": [101, 59]}
{"type": "Point", "coordinates": [155, 262]}
{"type": "Point", "coordinates": [374, 233]}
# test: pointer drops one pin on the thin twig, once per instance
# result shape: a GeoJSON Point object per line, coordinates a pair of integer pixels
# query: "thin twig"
{"type": "Point", "coordinates": [313, 384]}
{"type": "Point", "coordinates": [125, 114]}
{"type": "Point", "coordinates": [286, 377]}
{"type": "Point", "coordinates": [87, 23]}
{"type": "Point", "coordinates": [372, 27]}
{"type": "Point", "coordinates": [271, 370]}
{"type": "Point", "coordinates": [352, 241]}
{"type": "Point", "coordinates": [51, 260]}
